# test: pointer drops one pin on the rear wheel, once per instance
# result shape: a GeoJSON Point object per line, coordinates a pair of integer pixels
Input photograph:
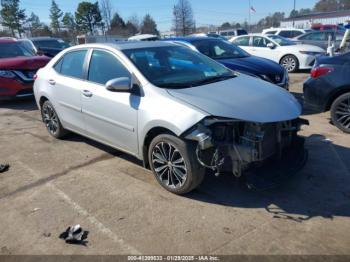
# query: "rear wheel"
{"type": "Point", "coordinates": [290, 63]}
{"type": "Point", "coordinates": [174, 164]}
{"type": "Point", "coordinates": [51, 120]}
{"type": "Point", "coordinates": [340, 112]}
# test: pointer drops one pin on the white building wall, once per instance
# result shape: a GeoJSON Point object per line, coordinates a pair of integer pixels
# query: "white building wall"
{"type": "Point", "coordinates": [307, 23]}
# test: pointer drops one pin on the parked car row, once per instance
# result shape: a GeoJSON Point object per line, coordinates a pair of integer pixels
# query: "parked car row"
{"type": "Point", "coordinates": [183, 105]}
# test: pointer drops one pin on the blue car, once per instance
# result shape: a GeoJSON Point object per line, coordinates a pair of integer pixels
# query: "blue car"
{"type": "Point", "coordinates": [236, 58]}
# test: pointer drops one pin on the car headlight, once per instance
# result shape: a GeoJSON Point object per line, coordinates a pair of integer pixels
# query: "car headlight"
{"type": "Point", "coordinates": [311, 53]}
{"type": "Point", "coordinates": [7, 74]}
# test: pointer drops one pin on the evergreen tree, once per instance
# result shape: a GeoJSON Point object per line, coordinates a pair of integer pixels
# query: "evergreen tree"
{"type": "Point", "coordinates": [55, 16]}
{"type": "Point", "coordinates": [12, 16]}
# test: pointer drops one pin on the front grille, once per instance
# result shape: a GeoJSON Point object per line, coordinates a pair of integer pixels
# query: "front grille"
{"type": "Point", "coordinates": [25, 75]}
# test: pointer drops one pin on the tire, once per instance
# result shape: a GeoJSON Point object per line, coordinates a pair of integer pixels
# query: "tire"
{"type": "Point", "coordinates": [174, 164]}
{"type": "Point", "coordinates": [51, 121]}
{"type": "Point", "coordinates": [340, 113]}
{"type": "Point", "coordinates": [290, 63]}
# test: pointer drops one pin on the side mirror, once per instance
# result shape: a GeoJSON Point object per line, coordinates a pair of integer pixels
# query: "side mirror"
{"type": "Point", "coordinates": [271, 45]}
{"type": "Point", "coordinates": [121, 84]}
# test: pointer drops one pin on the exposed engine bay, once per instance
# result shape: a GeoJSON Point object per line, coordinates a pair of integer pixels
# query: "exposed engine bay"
{"type": "Point", "coordinates": [228, 145]}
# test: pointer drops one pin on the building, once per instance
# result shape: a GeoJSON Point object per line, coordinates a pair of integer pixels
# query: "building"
{"type": "Point", "coordinates": [306, 21]}
{"type": "Point", "coordinates": [167, 34]}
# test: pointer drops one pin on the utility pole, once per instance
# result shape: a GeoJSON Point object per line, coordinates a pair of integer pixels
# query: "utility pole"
{"type": "Point", "coordinates": [294, 13]}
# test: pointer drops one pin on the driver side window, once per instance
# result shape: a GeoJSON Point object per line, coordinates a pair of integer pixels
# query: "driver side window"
{"type": "Point", "coordinates": [259, 41]}
{"type": "Point", "coordinates": [104, 67]}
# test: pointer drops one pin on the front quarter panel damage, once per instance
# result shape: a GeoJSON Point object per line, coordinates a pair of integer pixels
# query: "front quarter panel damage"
{"type": "Point", "coordinates": [230, 145]}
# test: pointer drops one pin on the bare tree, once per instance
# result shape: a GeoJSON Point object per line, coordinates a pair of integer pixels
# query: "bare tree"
{"type": "Point", "coordinates": [184, 23]}
{"type": "Point", "coordinates": [106, 10]}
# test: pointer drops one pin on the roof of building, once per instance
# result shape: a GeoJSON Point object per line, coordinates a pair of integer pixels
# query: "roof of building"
{"type": "Point", "coordinates": [333, 14]}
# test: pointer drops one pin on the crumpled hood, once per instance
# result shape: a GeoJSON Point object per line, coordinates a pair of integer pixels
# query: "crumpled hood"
{"type": "Point", "coordinates": [23, 63]}
{"type": "Point", "coordinates": [243, 97]}
{"type": "Point", "coordinates": [254, 65]}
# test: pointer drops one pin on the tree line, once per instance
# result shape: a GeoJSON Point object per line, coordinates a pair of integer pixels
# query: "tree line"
{"type": "Point", "coordinates": [89, 18]}
{"type": "Point", "coordinates": [100, 18]}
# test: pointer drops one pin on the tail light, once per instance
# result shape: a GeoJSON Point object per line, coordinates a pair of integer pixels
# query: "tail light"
{"type": "Point", "coordinates": [320, 71]}
{"type": "Point", "coordinates": [35, 77]}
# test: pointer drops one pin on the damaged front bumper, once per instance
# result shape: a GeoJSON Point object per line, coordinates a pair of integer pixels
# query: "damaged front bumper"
{"type": "Point", "coordinates": [238, 147]}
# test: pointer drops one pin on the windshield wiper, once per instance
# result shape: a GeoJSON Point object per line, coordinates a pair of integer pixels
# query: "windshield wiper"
{"type": "Point", "coordinates": [213, 79]}
{"type": "Point", "coordinates": [173, 85]}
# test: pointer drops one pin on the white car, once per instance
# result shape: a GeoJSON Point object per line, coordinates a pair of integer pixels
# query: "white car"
{"type": "Point", "coordinates": [285, 32]}
{"type": "Point", "coordinates": [289, 54]}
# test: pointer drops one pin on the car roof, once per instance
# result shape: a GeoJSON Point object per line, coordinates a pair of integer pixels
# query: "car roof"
{"type": "Point", "coordinates": [4, 40]}
{"type": "Point", "coordinates": [125, 45]}
{"type": "Point", "coordinates": [42, 38]}
{"type": "Point", "coordinates": [191, 39]}
{"type": "Point", "coordinates": [283, 28]}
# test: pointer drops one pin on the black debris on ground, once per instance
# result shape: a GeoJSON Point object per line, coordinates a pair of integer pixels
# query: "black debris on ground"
{"type": "Point", "coordinates": [4, 167]}
{"type": "Point", "coordinates": [75, 235]}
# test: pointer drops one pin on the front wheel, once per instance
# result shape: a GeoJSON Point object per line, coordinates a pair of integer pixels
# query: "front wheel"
{"type": "Point", "coordinates": [340, 113]}
{"type": "Point", "coordinates": [174, 164]}
{"type": "Point", "coordinates": [290, 63]}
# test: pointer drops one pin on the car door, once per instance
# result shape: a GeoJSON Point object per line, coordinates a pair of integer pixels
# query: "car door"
{"type": "Point", "coordinates": [260, 48]}
{"type": "Point", "coordinates": [67, 81]}
{"type": "Point", "coordinates": [110, 117]}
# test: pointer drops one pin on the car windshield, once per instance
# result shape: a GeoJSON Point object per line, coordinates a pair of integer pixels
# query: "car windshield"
{"type": "Point", "coordinates": [219, 49]}
{"type": "Point", "coordinates": [16, 49]}
{"type": "Point", "coordinates": [281, 40]}
{"type": "Point", "coordinates": [51, 43]}
{"type": "Point", "coordinates": [177, 67]}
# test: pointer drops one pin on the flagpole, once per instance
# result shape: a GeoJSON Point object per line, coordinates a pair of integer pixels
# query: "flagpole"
{"type": "Point", "coordinates": [294, 15]}
{"type": "Point", "coordinates": [249, 16]}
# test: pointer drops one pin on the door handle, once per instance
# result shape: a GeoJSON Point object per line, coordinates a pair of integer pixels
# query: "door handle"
{"type": "Point", "coordinates": [87, 93]}
{"type": "Point", "coordinates": [52, 82]}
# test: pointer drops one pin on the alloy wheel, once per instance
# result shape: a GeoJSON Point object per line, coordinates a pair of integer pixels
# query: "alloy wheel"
{"type": "Point", "coordinates": [342, 113]}
{"type": "Point", "coordinates": [50, 119]}
{"type": "Point", "coordinates": [169, 165]}
{"type": "Point", "coordinates": [289, 63]}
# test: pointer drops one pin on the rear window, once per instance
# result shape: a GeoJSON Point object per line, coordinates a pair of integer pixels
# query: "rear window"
{"type": "Point", "coordinates": [297, 33]}
{"type": "Point", "coordinates": [242, 32]}
{"type": "Point", "coordinates": [287, 34]}
{"type": "Point", "coordinates": [270, 32]}
{"type": "Point", "coordinates": [72, 64]}
{"type": "Point", "coordinates": [50, 43]}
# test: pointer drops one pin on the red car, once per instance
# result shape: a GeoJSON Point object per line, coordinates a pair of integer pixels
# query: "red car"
{"type": "Point", "coordinates": [18, 65]}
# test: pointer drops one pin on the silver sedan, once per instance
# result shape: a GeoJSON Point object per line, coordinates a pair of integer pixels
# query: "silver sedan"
{"type": "Point", "coordinates": [175, 109]}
